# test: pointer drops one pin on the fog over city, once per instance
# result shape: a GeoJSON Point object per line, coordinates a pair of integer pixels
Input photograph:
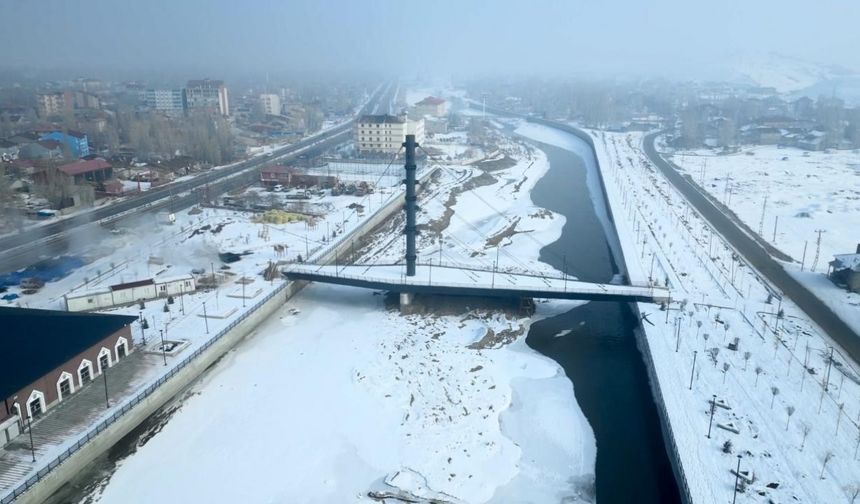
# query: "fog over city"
{"type": "Point", "coordinates": [667, 38]}
{"type": "Point", "coordinates": [441, 252]}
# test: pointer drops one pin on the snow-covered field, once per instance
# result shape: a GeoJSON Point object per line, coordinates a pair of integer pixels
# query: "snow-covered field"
{"type": "Point", "coordinates": [338, 396]}
{"type": "Point", "coordinates": [791, 416]}
{"type": "Point", "coordinates": [797, 193]}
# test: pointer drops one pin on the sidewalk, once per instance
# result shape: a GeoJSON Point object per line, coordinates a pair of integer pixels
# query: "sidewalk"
{"type": "Point", "coordinates": [71, 417]}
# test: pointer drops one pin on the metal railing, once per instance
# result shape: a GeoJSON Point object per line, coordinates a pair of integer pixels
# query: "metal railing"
{"type": "Point", "coordinates": [131, 403]}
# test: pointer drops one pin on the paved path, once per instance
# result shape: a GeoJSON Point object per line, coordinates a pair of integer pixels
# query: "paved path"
{"type": "Point", "coordinates": [757, 256]}
{"type": "Point", "coordinates": [70, 418]}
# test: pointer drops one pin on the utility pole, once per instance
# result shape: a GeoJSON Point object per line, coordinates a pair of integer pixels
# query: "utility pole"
{"type": "Point", "coordinates": [775, 221]}
{"type": "Point", "coordinates": [205, 318]}
{"type": "Point", "coordinates": [761, 221]}
{"type": "Point", "coordinates": [817, 249]}
{"type": "Point", "coordinates": [802, 261]}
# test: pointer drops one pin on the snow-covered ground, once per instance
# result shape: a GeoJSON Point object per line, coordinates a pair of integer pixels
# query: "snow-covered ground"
{"type": "Point", "coordinates": [798, 442]}
{"type": "Point", "coordinates": [797, 193]}
{"type": "Point", "coordinates": [337, 395]}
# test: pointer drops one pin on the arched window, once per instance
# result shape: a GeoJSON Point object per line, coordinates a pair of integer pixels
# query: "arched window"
{"type": "Point", "coordinates": [105, 360]}
{"type": "Point", "coordinates": [36, 404]}
{"type": "Point", "coordinates": [121, 348]}
{"type": "Point", "coordinates": [65, 385]}
{"type": "Point", "coordinates": [85, 372]}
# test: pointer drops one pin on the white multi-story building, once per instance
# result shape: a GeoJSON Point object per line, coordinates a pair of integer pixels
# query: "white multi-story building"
{"type": "Point", "coordinates": [385, 133]}
{"type": "Point", "coordinates": [208, 94]}
{"type": "Point", "coordinates": [270, 104]}
{"type": "Point", "coordinates": [169, 101]}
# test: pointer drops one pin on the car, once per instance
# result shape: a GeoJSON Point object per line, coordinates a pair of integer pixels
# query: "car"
{"type": "Point", "coordinates": [198, 271]}
{"type": "Point", "coordinates": [278, 188]}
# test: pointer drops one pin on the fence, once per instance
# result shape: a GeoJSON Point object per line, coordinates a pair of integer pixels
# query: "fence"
{"type": "Point", "coordinates": [149, 390]}
{"type": "Point", "coordinates": [131, 403]}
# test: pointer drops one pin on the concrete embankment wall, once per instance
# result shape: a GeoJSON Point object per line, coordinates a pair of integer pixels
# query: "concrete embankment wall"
{"type": "Point", "coordinates": [97, 442]}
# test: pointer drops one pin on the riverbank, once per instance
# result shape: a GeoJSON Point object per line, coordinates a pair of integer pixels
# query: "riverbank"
{"type": "Point", "coordinates": [722, 336]}
{"type": "Point", "coordinates": [341, 397]}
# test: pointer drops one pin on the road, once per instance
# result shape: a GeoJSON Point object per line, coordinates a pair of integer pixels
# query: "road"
{"type": "Point", "coordinates": [23, 248]}
{"type": "Point", "coordinates": [757, 256]}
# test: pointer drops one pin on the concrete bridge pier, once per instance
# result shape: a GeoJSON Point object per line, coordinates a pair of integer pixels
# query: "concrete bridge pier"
{"type": "Point", "coordinates": [406, 299]}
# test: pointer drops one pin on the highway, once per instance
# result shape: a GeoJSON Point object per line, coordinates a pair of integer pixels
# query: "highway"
{"type": "Point", "coordinates": [757, 256]}
{"type": "Point", "coordinates": [23, 248]}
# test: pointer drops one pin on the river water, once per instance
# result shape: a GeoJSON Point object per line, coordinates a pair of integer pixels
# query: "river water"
{"type": "Point", "coordinates": [599, 354]}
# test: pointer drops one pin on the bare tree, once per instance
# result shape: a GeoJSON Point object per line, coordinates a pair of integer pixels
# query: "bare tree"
{"type": "Point", "coordinates": [774, 391]}
{"type": "Point", "coordinates": [827, 457]}
{"type": "Point", "coordinates": [805, 429]}
{"type": "Point", "coordinates": [747, 356]}
{"type": "Point", "coordinates": [790, 411]}
{"type": "Point", "coordinates": [758, 371]}
{"type": "Point", "coordinates": [857, 446]}
{"type": "Point", "coordinates": [839, 416]}
{"type": "Point", "coordinates": [725, 371]}
{"type": "Point", "coordinates": [853, 490]}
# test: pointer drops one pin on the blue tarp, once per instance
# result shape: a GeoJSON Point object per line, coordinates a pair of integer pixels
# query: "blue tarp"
{"type": "Point", "coordinates": [46, 270]}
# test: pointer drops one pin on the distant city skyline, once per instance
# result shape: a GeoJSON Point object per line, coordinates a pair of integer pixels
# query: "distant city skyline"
{"type": "Point", "coordinates": [671, 38]}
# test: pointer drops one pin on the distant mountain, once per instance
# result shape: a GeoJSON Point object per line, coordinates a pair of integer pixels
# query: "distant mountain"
{"type": "Point", "coordinates": [788, 74]}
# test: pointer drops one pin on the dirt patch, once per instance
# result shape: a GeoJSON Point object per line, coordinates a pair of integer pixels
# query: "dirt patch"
{"type": "Point", "coordinates": [520, 184]}
{"type": "Point", "coordinates": [497, 340]}
{"type": "Point", "coordinates": [495, 164]}
{"type": "Point", "coordinates": [442, 223]}
{"type": "Point", "coordinates": [509, 231]}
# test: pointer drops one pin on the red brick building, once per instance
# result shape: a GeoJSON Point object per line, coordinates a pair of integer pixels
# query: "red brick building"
{"type": "Point", "coordinates": [49, 355]}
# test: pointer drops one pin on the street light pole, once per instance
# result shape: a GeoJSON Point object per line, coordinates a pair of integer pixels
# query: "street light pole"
{"type": "Point", "coordinates": [104, 375]}
{"type": "Point", "coordinates": [713, 406]}
{"type": "Point", "coordinates": [30, 430]}
{"type": "Point", "coordinates": [205, 318]}
{"type": "Point", "coordinates": [163, 354]}
{"type": "Point", "coordinates": [693, 371]}
{"type": "Point", "coordinates": [737, 477]}
{"type": "Point", "coordinates": [142, 333]}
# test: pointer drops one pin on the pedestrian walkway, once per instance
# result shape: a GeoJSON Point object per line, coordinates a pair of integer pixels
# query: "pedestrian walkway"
{"type": "Point", "coordinates": [70, 418]}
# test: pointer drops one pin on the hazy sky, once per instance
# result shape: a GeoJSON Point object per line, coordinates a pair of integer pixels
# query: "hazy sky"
{"type": "Point", "coordinates": [502, 37]}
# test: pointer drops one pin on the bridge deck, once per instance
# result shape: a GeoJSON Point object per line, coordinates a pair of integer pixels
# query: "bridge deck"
{"type": "Point", "coordinates": [468, 282]}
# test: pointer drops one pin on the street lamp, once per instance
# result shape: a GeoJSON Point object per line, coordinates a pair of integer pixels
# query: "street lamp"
{"type": "Point", "coordinates": [163, 354]}
{"type": "Point", "coordinates": [142, 327]}
{"type": "Point", "coordinates": [104, 375]}
{"type": "Point", "coordinates": [737, 477]}
{"type": "Point", "coordinates": [30, 431]}
{"type": "Point", "coordinates": [695, 353]}
{"type": "Point", "coordinates": [713, 406]}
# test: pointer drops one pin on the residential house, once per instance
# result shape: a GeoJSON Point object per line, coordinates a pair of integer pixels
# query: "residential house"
{"type": "Point", "coordinates": [76, 142]}
{"type": "Point", "coordinates": [845, 270]}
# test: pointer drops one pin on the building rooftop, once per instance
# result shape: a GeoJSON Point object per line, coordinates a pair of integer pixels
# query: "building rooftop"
{"type": "Point", "coordinates": [431, 100]}
{"type": "Point", "coordinates": [846, 261]}
{"type": "Point", "coordinates": [381, 119]}
{"type": "Point", "coordinates": [130, 285]}
{"type": "Point", "coordinates": [35, 342]}
{"type": "Point", "coordinates": [79, 167]}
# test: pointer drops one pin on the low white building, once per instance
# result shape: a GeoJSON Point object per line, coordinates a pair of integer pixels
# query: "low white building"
{"type": "Point", "coordinates": [385, 133]}
{"type": "Point", "coordinates": [432, 106]}
{"type": "Point", "coordinates": [130, 292]}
